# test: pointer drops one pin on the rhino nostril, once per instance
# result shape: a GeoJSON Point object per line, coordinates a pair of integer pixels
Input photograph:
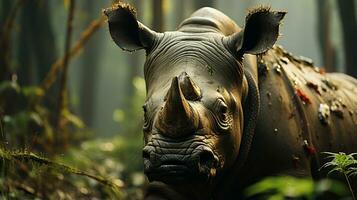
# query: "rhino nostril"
{"type": "Point", "coordinates": [206, 158]}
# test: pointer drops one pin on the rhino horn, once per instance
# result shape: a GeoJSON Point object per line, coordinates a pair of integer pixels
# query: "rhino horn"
{"type": "Point", "coordinates": [177, 118]}
{"type": "Point", "coordinates": [190, 90]}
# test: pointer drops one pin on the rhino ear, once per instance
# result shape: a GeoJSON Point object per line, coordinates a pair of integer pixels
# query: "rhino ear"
{"type": "Point", "coordinates": [259, 34]}
{"type": "Point", "coordinates": [128, 33]}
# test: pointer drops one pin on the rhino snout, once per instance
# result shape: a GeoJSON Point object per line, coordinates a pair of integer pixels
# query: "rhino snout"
{"type": "Point", "coordinates": [173, 163]}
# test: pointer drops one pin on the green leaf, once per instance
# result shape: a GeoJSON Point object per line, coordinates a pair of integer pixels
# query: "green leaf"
{"type": "Point", "coordinates": [282, 187]}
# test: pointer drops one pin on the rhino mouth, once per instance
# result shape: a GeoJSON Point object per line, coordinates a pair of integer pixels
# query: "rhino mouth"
{"type": "Point", "coordinates": [178, 162]}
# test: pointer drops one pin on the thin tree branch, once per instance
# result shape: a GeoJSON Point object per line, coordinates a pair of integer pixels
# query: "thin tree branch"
{"type": "Point", "coordinates": [63, 81]}
{"type": "Point", "coordinates": [57, 66]}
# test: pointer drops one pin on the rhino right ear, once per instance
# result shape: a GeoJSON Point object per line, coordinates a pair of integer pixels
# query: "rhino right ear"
{"type": "Point", "coordinates": [260, 32]}
{"type": "Point", "coordinates": [128, 33]}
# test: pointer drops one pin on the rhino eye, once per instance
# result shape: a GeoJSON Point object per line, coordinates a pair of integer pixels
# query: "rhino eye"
{"type": "Point", "coordinates": [222, 115]}
{"type": "Point", "coordinates": [222, 107]}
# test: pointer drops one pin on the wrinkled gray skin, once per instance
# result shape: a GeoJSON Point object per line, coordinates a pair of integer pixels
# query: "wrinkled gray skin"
{"type": "Point", "coordinates": [203, 105]}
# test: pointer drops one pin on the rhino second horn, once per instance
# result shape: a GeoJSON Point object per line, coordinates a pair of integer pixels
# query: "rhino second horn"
{"type": "Point", "coordinates": [177, 118]}
{"type": "Point", "coordinates": [190, 90]}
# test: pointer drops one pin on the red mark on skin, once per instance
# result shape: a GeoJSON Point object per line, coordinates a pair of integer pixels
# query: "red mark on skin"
{"type": "Point", "coordinates": [309, 148]}
{"type": "Point", "coordinates": [303, 96]}
{"type": "Point", "coordinates": [322, 71]}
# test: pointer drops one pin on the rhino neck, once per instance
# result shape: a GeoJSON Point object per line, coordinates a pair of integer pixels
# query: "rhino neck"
{"type": "Point", "coordinates": [250, 64]}
{"type": "Point", "coordinates": [251, 109]}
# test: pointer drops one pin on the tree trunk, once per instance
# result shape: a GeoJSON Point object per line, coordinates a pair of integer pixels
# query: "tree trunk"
{"type": "Point", "coordinates": [134, 68]}
{"type": "Point", "coordinates": [180, 6]}
{"type": "Point", "coordinates": [132, 62]}
{"type": "Point", "coordinates": [203, 3]}
{"type": "Point", "coordinates": [36, 51]}
{"type": "Point", "coordinates": [89, 68]}
{"type": "Point", "coordinates": [158, 15]}
{"type": "Point", "coordinates": [7, 6]}
{"type": "Point", "coordinates": [327, 49]}
{"type": "Point", "coordinates": [5, 9]}
{"type": "Point", "coordinates": [349, 31]}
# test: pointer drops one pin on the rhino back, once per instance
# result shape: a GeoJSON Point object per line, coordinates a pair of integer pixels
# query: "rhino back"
{"type": "Point", "coordinates": [209, 20]}
{"type": "Point", "coordinates": [304, 112]}
{"type": "Point", "coordinates": [327, 100]}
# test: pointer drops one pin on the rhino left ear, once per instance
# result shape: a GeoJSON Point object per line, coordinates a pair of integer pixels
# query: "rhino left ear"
{"type": "Point", "coordinates": [259, 34]}
{"type": "Point", "coordinates": [128, 33]}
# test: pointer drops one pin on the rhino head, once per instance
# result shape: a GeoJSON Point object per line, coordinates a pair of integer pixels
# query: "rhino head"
{"type": "Point", "coordinates": [196, 90]}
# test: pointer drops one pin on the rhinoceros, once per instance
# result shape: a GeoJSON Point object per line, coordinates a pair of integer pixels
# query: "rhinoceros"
{"type": "Point", "coordinates": [226, 107]}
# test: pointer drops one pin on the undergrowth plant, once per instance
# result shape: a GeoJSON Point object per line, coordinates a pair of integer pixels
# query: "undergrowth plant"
{"type": "Point", "coordinates": [39, 161]}
{"type": "Point", "coordinates": [344, 164]}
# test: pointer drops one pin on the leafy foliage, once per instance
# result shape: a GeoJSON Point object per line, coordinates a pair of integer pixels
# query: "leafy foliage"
{"type": "Point", "coordinates": [26, 157]}
{"type": "Point", "coordinates": [286, 187]}
{"type": "Point", "coordinates": [26, 175]}
{"type": "Point", "coordinates": [119, 158]}
{"type": "Point", "coordinates": [26, 121]}
{"type": "Point", "coordinates": [46, 179]}
{"type": "Point", "coordinates": [344, 164]}
{"type": "Point", "coordinates": [341, 162]}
